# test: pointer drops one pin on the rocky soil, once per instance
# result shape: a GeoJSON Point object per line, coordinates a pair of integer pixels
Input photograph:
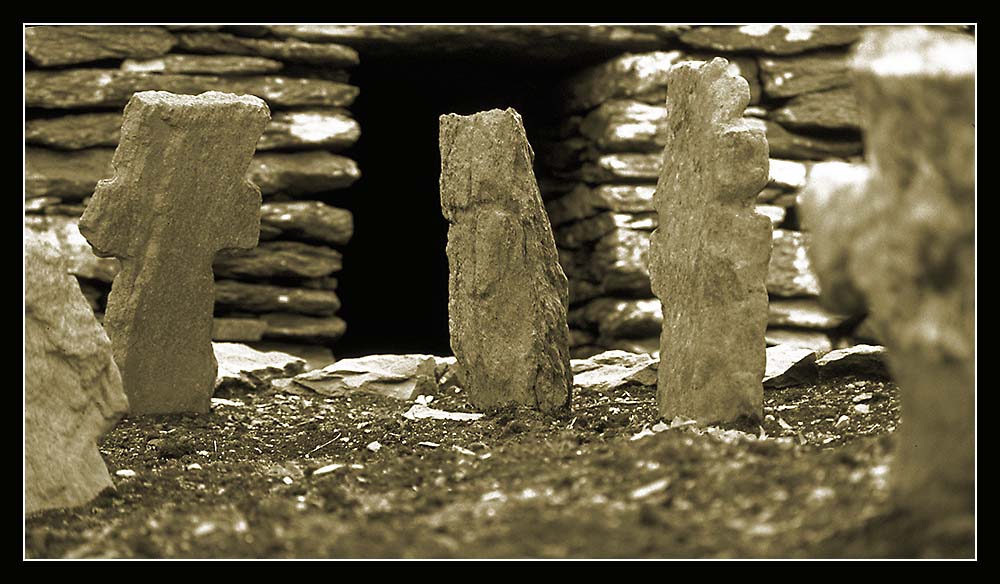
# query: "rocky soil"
{"type": "Point", "coordinates": [289, 473]}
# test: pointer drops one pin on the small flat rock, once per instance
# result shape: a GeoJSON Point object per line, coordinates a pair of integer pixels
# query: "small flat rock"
{"type": "Point", "coordinates": [72, 388]}
{"type": "Point", "coordinates": [315, 356]}
{"type": "Point", "coordinates": [75, 132]}
{"type": "Point", "coordinates": [293, 50]}
{"type": "Point", "coordinates": [402, 377]}
{"type": "Point", "coordinates": [834, 109]}
{"type": "Point", "coordinates": [326, 128]}
{"type": "Point", "coordinates": [244, 368]}
{"type": "Point", "coordinates": [776, 39]}
{"type": "Point", "coordinates": [584, 201]}
{"type": "Point", "coordinates": [815, 341]}
{"type": "Point", "coordinates": [614, 369]}
{"type": "Point", "coordinates": [279, 259]}
{"type": "Point", "coordinates": [237, 329]}
{"type": "Point", "coordinates": [210, 64]}
{"type": "Point", "coordinates": [64, 232]}
{"type": "Point", "coordinates": [787, 144]}
{"type": "Point", "coordinates": [311, 221]}
{"type": "Point", "coordinates": [304, 329]}
{"type": "Point", "coordinates": [258, 298]}
{"type": "Point", "coordinates": [648, 345]}
{"type": "Point", "coordinates": [798, 74]}
{"type": "Point", "coordinates": [623, 167]}
{"type": "Point", "coordinates": [85, 88]}
{"type": "Point", "coordinates": [66, 45]}
{"type": "Point", "coordinates": [789, 273]}
{"type": "Point", "coordinates": [860, 360]}
{"type": "Point", "coordinates": [805, 313]}
{"type": "Point", "coordinates": [422, 412]}
{"type": "Point", "coordinates": [302, 172]}
{"type": "Point", "coordinates": [788, 366]}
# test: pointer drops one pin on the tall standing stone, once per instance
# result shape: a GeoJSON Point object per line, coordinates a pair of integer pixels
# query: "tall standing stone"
{"type": "Point", "coordinates": [708, 258]}
{"type": "Point", "coordinates": [900, 238]}
{"type": "Point", "coordinates": [507, 294]}
{"type": "Point", "coordinates": [72, 389]}
{"type": "Point", "coordinates": [179, 195]}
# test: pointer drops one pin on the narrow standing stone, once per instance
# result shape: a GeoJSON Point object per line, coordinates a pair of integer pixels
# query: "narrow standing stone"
{"type": "Point", "coordinates": [72, 389]}
{"type": "Point", "coordinates": [708, 258]}
{"type": "Point", "coordinates": [901, 240]}
{"type": "Point", "coordinates": [178, 196]}
{"type": "Point", "coordinates": [507, 294]}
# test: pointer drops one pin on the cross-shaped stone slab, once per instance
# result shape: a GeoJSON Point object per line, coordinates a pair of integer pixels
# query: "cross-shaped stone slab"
{"type": "Point", "coordinates": [708, 257]}
{"type": "Point", "coordinates": [179, 194]}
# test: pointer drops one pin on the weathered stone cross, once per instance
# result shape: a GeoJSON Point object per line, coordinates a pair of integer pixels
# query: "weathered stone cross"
{"type": "Point", "coordinates": [708, 257]}
{"type": "Point", "coordinates": [179, 195]}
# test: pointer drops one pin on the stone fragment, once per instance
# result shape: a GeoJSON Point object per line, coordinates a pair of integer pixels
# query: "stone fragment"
{"type": "Point", "coordinates": [804, 313]}
{"type": "Point", "coordinates": [613, 370]}
{"type": "Point", "coordinates": [777, 39]}
{"type": "Point", "coordinates": [507, 293]}
{"type": "Point", "coordinates": [258, 298]}
{"type": "Point", "coordinates": [302, 173]}
{"type": "Point", "coordinates": [623, 125]}
{"type": "Point", "coordinates": [284, 50]}
{"type": "Point", "coordinates": [279, 259]}
{"type": "Point", "coordinates": [75, 132]}
{"type": "Point", "coordinates": [708, 258]}
{"type": "Point", "coordinates": [422, 412]}
{"type": "Point", "coordinates": [66, 45]}
{"type": "Point", "coordinates": [914, 262]}
{"type": "Point", "coordinates": [315, 356]}
{"type": "Point", "coordinates": [303, 329]}
{"type": "Point", "coordinates": [178, 196]}
{"type": "Point", "coordinates": [788, 366]}
{"type": "Point", "coordinates": [624, 167]}
{"type": "Point", "coordinates": [786, 144]}
{"type": "Point", "coordinates": [593, 228]}
{"type": "Point", "coordinates": [208, 64]}
{"type": "Point", "coordinates": [834, 109]}
{"type": "Point", "coordinates": [402, 377]}
{"type": "Point", "coordinates": [311, 221]}
{"type": "Point", "coordinates": [818, 342]}
{"type": "Point", "coordinates": [584, 201]}
{"type": "Point", "coordinates": [246, 369]}
{"type": "Point", "coordinates": [620, 318]}
{"type": "Point", "coordinates": [329, 129]}
{"type": "Point", "coordinates": [237, 329]}
{"type": "Point", "coordinates": [64, 233]}
{"type": "Point", "coordinates": [92, 88]}
{"type": "Point", "coordinates": [859, 360]}
{"type": "Point", "coordinates": [789, 273]}
{"type": "Point", "coordinates": [72, 389]}
{"type": "Point", "coordinates": [798, 74]}
{"type": "Point", "coordinates": [68, 175]}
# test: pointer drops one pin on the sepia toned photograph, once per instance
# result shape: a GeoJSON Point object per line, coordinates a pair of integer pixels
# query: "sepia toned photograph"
{"type": "Point", "coordinates": [515, 291]}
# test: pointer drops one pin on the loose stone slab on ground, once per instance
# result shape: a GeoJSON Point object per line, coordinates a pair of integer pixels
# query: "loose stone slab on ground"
{"type": "Point", "coordinates": [862, 360]}
{"type": "Point", "coordinates": [402, 377]}
{"type": "Point", "coordinates": [712, 287]}
{"type": "Point", "coordinates": [244, 368]}
{"type": "Point", "coordinates": [612, 369]}
{"type": "Point", "coordinates": [72, 388]}
{"type": "Point", "coordinates": [178, 195]}
{"type": "Point", "coordinates": [507, 293]}
{"type": "Point", "coordinates": [789, 365]}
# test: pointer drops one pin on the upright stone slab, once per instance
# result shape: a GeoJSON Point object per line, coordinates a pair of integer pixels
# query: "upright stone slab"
{"type": "Point", "coordinates": [179, 195]}
{"type": "Point", "coordinates": [507, 294]}
{"type": "Point", "coordinates": [72, 389]}
{"type": "Point", "coordinates": [708, 258]}
{"type": "Point", "coordinates": [901, 240]}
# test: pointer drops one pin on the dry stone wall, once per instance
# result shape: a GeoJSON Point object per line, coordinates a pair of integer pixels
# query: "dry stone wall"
{"type": "Point", "coordinates": [77, 81]}
{"type": "Point", "coordinates": [599, 170]}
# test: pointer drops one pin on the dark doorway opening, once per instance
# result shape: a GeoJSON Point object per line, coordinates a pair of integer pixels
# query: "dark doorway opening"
{"type": "Point", "coordinates": [394, 284]}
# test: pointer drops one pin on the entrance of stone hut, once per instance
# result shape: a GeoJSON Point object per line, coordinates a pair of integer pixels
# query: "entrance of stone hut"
{"type": "Point", "coordinates": [394, 283]}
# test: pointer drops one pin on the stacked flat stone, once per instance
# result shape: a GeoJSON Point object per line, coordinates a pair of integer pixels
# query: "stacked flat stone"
{"type": "Point", "coordinates": [79, 78]}
{"type": "Point", "coordinates": [600, 167]}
